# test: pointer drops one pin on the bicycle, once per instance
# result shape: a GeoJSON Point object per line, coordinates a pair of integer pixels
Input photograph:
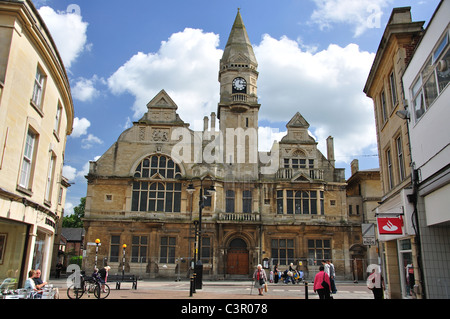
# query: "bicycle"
{"type": "Point", "coordinates": [88, 285]}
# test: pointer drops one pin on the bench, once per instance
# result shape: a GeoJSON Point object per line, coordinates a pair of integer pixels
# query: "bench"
{"type": "Point", "coordinates": [123, 278]}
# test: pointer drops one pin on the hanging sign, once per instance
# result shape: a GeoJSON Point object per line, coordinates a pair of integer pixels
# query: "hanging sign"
{"type": "Point", "coordinates": [390, 225]}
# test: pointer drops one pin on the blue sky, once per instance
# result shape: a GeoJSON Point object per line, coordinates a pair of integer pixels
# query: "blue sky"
{"type": "Point", "coordinates": [314, 58]}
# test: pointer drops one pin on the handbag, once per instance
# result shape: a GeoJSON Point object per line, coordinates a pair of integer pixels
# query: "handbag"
{"type": "Point", "coordinates": [265, 287]}
{"type": "Point", "coordinates": [325, 284]}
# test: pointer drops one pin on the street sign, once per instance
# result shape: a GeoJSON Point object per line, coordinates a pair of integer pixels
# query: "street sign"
{"type": "Point", "coordinates": [368, 234]}
{"type": "Point", "coordinates": [369, 241]}
{"type": "Point", "coordinates": [94, 244]}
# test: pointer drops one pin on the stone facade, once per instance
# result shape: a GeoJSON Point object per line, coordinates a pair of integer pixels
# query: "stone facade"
{"type": "Point", "coordinates": [149, 188]}
{"type": "Point", "coordinates": [384, 87]}
{"type": "Point", "coordinates": [36, 115]}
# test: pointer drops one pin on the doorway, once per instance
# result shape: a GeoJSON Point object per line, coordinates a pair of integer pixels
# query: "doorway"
{"type": "Point", "coordinates": [237, 257]}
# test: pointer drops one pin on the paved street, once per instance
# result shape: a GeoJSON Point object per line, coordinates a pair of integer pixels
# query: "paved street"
{"type": "Point", "coordinates": [158, 289]}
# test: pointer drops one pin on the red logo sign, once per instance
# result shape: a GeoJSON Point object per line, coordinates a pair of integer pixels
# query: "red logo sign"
{"type": "Point", "coordinates": [390, 225]}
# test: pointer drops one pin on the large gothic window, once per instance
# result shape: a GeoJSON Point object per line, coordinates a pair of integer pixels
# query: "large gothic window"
{"type": "Point", "coordinates": [157, 164]}
{"type": "Point", "coordinates": [156, 187]}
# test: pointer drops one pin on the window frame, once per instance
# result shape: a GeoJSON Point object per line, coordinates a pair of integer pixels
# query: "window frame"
{"type": "Point", "coordinates": [316, 252]}
{"type": "Point", "coordinates": [282, 250]}
{"type": "Point", "coordinates": [167, 250]}
{"type": "Point", "coordinates": [28, 159]}
{"type": "Point", "coordinates": [37, 95]}
{"type": "Point", "coordinates": [400, 158]}
{"type": "Point", "coordinates": [139, 250]}
{"type": "Point", "coordinates": [50, 177]}
{"type": "Point", "coordinates": [230, 201]}
{"type": "Point", "coordinates": [427, 86]}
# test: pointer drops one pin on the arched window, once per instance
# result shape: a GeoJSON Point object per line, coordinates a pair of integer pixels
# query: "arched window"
{"type": "Point", "coordinates": [162, 165]}
{"type": "Point", "coordinates": [155, 187]}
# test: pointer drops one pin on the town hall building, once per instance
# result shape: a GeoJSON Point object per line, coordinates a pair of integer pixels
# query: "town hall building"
{"type": "Point", "coordinates": [164, 196]}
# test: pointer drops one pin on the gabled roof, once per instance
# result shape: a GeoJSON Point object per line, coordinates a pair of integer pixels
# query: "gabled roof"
{"type": "Point", "coordinates": [297, 121]}
{"type": "Point", "coordinates": [162, 100]}
{"type": "Point", "coordinates": [73, 234]}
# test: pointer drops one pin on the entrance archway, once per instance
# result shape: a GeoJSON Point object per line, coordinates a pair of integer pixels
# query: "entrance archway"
{"type": "Point", "coordinates": [237, 257]}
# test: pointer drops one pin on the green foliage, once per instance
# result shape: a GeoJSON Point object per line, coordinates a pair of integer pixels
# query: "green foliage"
{"type": "Point", "coordinates": [76, 260]}
{"type": "Point", "coordinates": [75, 220]}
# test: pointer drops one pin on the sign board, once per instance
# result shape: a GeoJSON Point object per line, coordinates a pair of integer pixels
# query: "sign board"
{"type": "Point", "coordinates": [369, 241]}
{"type": "Point", "coordinates": [368, 234]}
{"type": "Point", "coordinates": [390, 225]}
{"type": "Point", "coordinates": [94, 244]}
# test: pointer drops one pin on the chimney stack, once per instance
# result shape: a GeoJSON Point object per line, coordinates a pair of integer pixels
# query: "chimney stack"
{"type": "Point", "coordinates": [330, 150]}
{"type": "Point", "coordinates": [205, 123]}
{"type": "Point", "coordinates": [354, 166]}
{"type": "Point", "coordinates": [213, 122]}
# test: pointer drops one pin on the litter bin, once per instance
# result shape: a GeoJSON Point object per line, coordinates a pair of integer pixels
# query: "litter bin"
{"type": "Point", "coordinates": [198, 269]}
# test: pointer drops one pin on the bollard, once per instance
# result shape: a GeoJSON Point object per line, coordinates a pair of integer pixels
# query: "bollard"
{"type": "Point", "coordinates": [306, 290]}
{"type": "Point", "coordinates": [193, 286]}
{"type": "Point", "coordinates": [191, 289]}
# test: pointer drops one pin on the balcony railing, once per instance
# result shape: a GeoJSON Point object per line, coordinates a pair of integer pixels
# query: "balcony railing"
{"type": "Point", "coordinates": [240, 217]}
{"type": "Point", "coordinates": [289, 173]}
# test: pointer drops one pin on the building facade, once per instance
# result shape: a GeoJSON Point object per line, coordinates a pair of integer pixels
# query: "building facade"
{"type": "Point", "coordinates": [152, 190]}
{"type": "Point", "coordinates": [398, 249]}
{"type": "Point", "coordinates": [427, 94]}
{"type": "Point", "coordinates": [363, 196]}
{"type": "Point", "coordinates": [36, 115]}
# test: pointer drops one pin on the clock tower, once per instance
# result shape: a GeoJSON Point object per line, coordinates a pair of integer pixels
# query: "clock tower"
{"type": "Point", "coordinates": [238, 107]}
{"type": "Point", "coordinates": [238, 75]}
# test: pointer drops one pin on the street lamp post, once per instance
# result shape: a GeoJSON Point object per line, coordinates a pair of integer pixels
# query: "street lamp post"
{"type": "Point", "coordinates": [198, 267]}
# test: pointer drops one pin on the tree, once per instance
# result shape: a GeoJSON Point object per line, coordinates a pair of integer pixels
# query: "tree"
{"type": "Point", "coordinates": [75, 220]}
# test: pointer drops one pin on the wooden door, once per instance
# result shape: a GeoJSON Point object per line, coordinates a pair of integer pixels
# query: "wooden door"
{"type": "Point", "coordinates": [237, 262]}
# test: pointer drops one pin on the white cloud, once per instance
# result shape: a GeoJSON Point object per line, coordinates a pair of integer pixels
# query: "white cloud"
{"type": "Point", "coordinates": [69, 172]}
{"type": "Point", "coordinates": [68, 208]}
{"type": "Point", "coordinates": [360, 14]}
{"type": "Point", "coordinates": [84, 89]}
{"type": "Point", "coordinates": [80, 127]}
{"type": "Point", "coordinates": [325, 87]}
{"type": "Point", "coordinates": [267, 135]}
{"type": "Point", "coordinates": [68, 30]}
{"type": "Point", "coordinates": [89, 141]}
{"type": "Point", "coordinates": [186, 66]}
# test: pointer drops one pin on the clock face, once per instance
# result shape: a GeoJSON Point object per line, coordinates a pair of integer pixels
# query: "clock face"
{"type": "Point", "coordinates": [239, 84]}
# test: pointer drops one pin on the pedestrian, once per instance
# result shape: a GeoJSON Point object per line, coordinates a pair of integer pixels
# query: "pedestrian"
{"type": "Point", "coordinates": [410, 279]}
{"type": "Point", "coordinates": [104, 276]}
{"type": "Point", "coordinates": [375, 282]}
{"type": "Point", "coordinates": [38, 281]}
{"type": "Point", "coordinates": [275, 273]}
{"type": "Point", "coordinates": [30, 285]}
{"type": "Point", "coordinates": [59, 267]}
{"type": "Point", "coordinates": [332, 276]}
{"type": "Point", "coordinates": [322, 284]}
{"type": "Point", "coordinates": [260, 278]}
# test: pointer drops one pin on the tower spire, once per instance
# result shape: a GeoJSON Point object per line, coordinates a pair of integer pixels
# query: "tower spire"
{"type": "Point", "coordinates": [238, 45]}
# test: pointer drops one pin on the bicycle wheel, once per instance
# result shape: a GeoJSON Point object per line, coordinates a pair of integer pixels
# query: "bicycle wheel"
{"type": "Point", "coordinates": [74, 292]}
{"type": "Point", "coordinates": [103, 292]}
{"type": "Point", "coordinates": [92, 287]}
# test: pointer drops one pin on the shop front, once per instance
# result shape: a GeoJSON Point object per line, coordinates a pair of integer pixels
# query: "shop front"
{"type": "Point", "coordinates": [396, 236]}
{"type": "Point", "coordinates": [13, 242]}
{"type": "Point", "coordinates": [26, 242]}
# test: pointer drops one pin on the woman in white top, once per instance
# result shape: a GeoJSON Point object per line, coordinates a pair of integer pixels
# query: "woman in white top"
{"type": "Point", "coordinates": [29, 283]}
